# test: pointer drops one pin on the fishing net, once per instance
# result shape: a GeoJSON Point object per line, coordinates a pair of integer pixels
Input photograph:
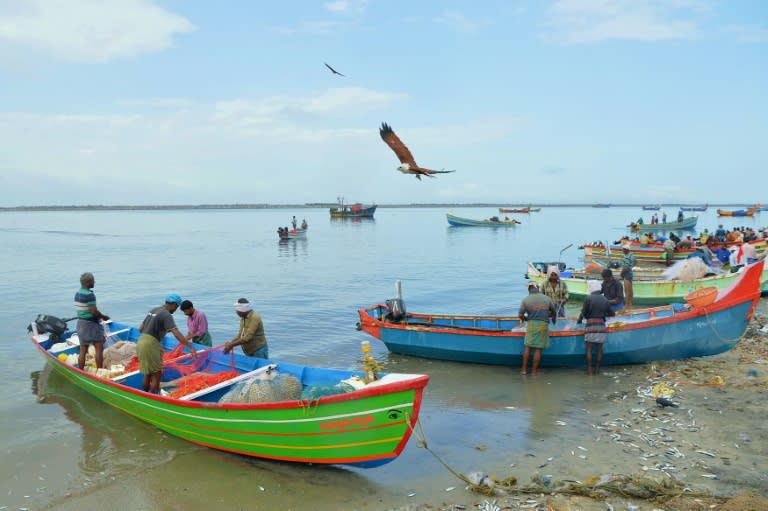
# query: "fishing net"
{"type": "Point", "coordinates": [169, 361]}
{"type": "Point", "coordinates": [199, 381]}
{"type": "Point", "coordinates": [687, 270]}
{"type": "Point", "coordinates": [279, 387]}
{"type": "Point", "coordinates": [313, 392]}
{"type": "Point", "coordinates": [120, 353]}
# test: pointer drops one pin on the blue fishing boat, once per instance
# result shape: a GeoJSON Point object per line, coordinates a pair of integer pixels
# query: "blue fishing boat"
{"type": "Point", "coordinates": [661, 333]}
{"type": "Point", "coordinates": [356, 210]}
{"type": "Point", "coordinates": [686, 223]}
{"type": "Point", "coordinates": [694, 208]}
{"type": "Point", "coordinates": [494, 221]}
{"type": "Point", "coordinates": [651, 208]}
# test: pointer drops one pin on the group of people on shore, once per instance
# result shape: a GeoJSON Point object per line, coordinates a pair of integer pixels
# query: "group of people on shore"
{"type": "Point", "coordinates": [159, 322]}
{"type": "Point", "coordinates": [546, 304]}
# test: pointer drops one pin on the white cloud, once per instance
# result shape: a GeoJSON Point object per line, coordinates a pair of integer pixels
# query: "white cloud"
{"type": "Point", "coordinates": [461, 23]}
{"type": "Point", "coordinates": [586, 21]}
{"type": "Point", "coordinates": [312, 28]}
{"type": "Point", "coordinates": [349, 7]}
{"type": "Point", "coordinates": [747, 33]}
{"type": "Point", "coordinates": [333, 103]}
{"type": "Point", "coordinates": [90, 31]}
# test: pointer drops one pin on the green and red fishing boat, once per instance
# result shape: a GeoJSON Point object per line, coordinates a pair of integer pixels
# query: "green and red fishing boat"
{"type": "Point", "coordinates": [649, 287]}
{"type": "Point", "coordinates": [335, 417]}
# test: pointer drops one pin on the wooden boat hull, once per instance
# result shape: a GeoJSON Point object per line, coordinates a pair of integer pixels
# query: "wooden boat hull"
{"type": "Point", "coordinates": [687, 223]}
{"type": "Point", "coordinates": [738, 212]}
{"type": "Point", "coordinates": [647, 289]}
{"type": "Point", "coordinates": [663, 333]}
{"type": "Point", "coordinates": [457, 221]}
{"type": "Point", "coordinates": [366, 428]}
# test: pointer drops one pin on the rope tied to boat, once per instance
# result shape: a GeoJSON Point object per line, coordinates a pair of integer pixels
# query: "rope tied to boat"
{"type": "Point", "coordinates": [720, 337]}
{"type": "Point", "coordinates": [421, 441]}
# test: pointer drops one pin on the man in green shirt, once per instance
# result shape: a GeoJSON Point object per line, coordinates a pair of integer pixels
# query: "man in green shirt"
{"type": "Point", "coordinates": [250, 336]}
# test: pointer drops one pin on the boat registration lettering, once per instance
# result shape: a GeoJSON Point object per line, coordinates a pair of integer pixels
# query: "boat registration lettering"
{"type": "Point", "coordinates": [347, 423]}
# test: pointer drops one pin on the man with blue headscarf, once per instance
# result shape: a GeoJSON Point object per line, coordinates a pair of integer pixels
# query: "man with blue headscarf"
{"type": "Point", "coordinates": [149, 350]}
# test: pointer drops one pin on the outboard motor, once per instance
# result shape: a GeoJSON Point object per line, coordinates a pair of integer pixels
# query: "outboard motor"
{"type": "Point", "coordinates": [50, 325]}
{"type": "Point", "coordinates": [396, 308]}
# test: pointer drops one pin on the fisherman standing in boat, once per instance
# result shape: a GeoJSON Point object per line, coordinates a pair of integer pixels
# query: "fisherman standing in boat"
{"type": "Point", "coordinates": [556, 290]}
{"type": "Point", "coordinates": [89, 330]}
{"type": "Point", "coordinates": [149, 350]}
{"type": "Point", "coordinates": [612, 291]}
{"type": "Point", "coordinates": [595, 310]}
{"type": "Point", "coordinates": [197, 324]}
{"type": "Point", "coordinates": [251, 333]}
{"type": "Point", "coordinates": [627, 263]}
{"type": "Point", "coordinates": [538, 310]}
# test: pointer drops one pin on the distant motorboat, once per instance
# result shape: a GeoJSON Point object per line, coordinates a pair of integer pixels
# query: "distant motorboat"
{"type": "Point", "coordinates": [356, 210]}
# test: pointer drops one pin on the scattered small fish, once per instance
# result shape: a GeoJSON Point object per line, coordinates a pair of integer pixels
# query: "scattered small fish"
{"type": "Point", "coordinates": [510, 408]}
{"type": "Point", "coordinates": [711, 476]}
{"type": "Point", "coordinates": [261, 488]}
{"type": "Point", "coordinates": [412, 494]}
{"type": "Point", "coordinates": [582, 456]}
{"type": "Point", "coordinates": [707, 453]}
{"type": "Point", "coordinates": [582, 448]}
{"type": "Point", "coordinates": [450, 488]}
{"type": "Point", "coordinates": [561, 423]}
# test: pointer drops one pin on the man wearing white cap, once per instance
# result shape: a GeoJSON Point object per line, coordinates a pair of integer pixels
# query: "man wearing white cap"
{"type": "Point", "coordinates": [538, 309]}
{"type": "Point", "coordinates": [250, 336]}
{"type": "Point", "coordinates": [595, 310]}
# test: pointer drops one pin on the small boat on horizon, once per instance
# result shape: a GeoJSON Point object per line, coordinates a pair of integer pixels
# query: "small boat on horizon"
{"type": "Point", "coordinates": [519, 210]}
{"type": "Point", "coordinates": [694, 208]}
{"type": "Point", "coordinates": [651, 208]}
{"type": "Point", "coordinates": [356, 210]}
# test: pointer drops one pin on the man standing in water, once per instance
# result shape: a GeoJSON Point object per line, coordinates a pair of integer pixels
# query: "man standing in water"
{"type": "Point", "coordinates": [89, 330]}
{"type": "Point", "coordinates": [595, 310]}
{"type": "Point", "coordinates": [538, 310]}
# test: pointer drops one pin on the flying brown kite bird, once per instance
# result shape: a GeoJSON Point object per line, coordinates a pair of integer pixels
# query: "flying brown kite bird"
{"type": "Point", "coordinates": [407, 163]}
{"type": "Point", "coordinates": [333, 70]}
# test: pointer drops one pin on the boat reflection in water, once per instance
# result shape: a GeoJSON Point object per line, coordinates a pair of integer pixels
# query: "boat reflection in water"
{"type": "Point", "coordinates": [112, 443]}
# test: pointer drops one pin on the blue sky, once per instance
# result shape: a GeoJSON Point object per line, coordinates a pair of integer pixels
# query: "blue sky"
{"type": "Point", "coordinates": [193, 102]}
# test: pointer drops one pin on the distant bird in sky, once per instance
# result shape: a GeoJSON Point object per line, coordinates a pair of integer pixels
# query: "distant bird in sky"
{"type": "Point", "coordinates": [407, 163]}
{"type": "Point", "coordinates": [332, 70]}
{"type": "Point", "coordinates": [664, 402]}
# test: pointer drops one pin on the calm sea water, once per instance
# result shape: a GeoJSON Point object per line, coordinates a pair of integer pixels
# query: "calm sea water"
{"type": "Point", "coordinates": [57, 441]}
